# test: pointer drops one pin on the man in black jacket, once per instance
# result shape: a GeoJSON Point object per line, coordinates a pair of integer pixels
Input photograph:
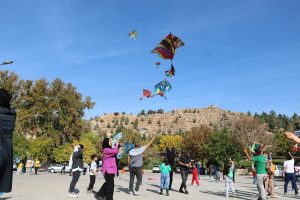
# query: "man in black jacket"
{"type": "Point", "coordinates": [77, 167]}
{"type": "Point", "coordinates": [7, 124]}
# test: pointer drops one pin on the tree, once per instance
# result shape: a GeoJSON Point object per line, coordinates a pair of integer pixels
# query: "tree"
{"type": "Point", "coordinates": [160, 111]}
{"type": "Point", "coordinates": [21, 146]}
{"type": "Point", "coordinates": [41, 148]}
{"type": "Point", "coordinates": [131, 136]}
{"type": "Point", "coordinates": [220, 146]}
{"type": "Point", "coordinates": [248, 130]}
{"type": "Point", "coordinates": [143, 112]}
{"type": "Point", "coordinates": [282, 144]}
{"type": "Point", "coordinates": [194, 141]}
{"type": "Point", "coordinates": [63, 153]}
{"type": "Point", "coordinates": [170, 141]}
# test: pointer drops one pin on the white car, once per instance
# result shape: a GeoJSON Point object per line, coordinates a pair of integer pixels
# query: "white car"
{"type": "Point", "coordinates": [58, 168]}
{"type": "Point", "coordinates": [278, 171]}
{"type": "Point", "coordinates": [155, 169]}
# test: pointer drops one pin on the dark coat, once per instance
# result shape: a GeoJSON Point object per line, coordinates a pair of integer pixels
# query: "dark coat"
{"type": "Point", "coordinates": [77, 159]}
{"type": "Point", "coordinates": [7, 124]}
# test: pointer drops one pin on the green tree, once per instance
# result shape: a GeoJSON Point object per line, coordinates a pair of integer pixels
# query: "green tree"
{"type": "Point", "coordinates": [41, 148]}
{"type": "Point", "coordinates": [21, 146]}
{"type": "Point", "coordinates": [220, 146]}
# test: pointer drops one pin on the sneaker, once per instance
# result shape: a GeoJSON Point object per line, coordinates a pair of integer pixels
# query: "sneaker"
{"type": "Point", "coordinates": [130, 193]}
{"type": "Point", "coordinates": [73, 195]}
{"type": "Point", "coordinates": [181, 191]}
{"type": "Point", "coordinates": [186, 192]}
{"type": "Point", "coordinates": [136, 192]}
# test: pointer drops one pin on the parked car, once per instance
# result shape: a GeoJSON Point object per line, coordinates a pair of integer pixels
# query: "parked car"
{"type": "Point", "coordinates": [155, 169]}
{"type": "Point", "coordinates": [278, 171]}
{"type": "Point", "coordinates": [58, 168]}
{"type": "Point", "coordinates": [43, 167]}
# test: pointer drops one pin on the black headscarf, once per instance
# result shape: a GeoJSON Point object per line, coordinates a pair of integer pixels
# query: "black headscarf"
{"type": "Point", "coordinates": [105, 143]}
{"type": "Point", "coordinates": [5, 98]}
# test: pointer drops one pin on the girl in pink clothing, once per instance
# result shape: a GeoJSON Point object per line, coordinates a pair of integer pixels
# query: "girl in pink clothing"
{"type": "Point", "coordinates": [109, 169]}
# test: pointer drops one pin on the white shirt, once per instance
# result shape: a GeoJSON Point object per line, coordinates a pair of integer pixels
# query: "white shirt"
{"type": "Point", "coordinates": [93, 167]}
{"type": "Point", "coordinates": [289, 166]}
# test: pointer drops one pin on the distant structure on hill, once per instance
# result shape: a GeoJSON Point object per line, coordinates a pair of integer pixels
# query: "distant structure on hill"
{"type": "Point", "coordinates": [212, 106]}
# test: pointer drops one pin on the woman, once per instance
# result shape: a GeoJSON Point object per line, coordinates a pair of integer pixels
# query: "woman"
{"type": "Point", "coordinates": [7, 124]}
{"type": "Point", "coordinates": [109, 170]}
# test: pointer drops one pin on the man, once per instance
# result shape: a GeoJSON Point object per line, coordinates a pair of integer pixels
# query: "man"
{"type": "Point", "coordinates": [185, 165]}
{"type": "Point", "coordinates": [289, 169]}
{"type": "Point", "coordinates": [77, 167]}
{"type": "Point", "coordinates": [7, 124]}
{"type": "Point", "coordinates": [135, 164]}
{"type": "Point", "coordinates": [259, 167]}
{"type": "Point", "coordinates": [171, 155]}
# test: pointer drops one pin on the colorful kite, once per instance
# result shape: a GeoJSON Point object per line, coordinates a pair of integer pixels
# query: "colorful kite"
{"type": "Point", "coordinates": [7, 62]}
{"type": "Point", "coordinates": [147, 94]}
{"type": "Point", "coordinates": [167, 47]}
{"type": "Point", "coordinates": [162, 87]}
{"type": "Point", "coordinates": [133, 34]}
{"type": "Point", "coordinates": [170, 72]}
{"type": "Point", "coordinates": [157, 64]}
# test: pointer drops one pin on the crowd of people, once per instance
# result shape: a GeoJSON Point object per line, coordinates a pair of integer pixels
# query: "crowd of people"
{"type": "Point", "coordinates": [262, 166]}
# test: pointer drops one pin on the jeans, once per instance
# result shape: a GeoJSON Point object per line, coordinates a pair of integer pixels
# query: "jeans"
{"type": "Point", "coordinates": [260, 179]}
{"type": "Point", "coordinates": [75, 179]}
{"type": "Point", "coordinates": [184, 177]}
{"type": "Point", "coordinates": [135, 171]}
{"type": "Point", "coordinates": [107, 189]}
{"type": "Point", "coordinates": [164, 181]}
{"type": "Point", "coordinates": [36, 170]}
{"type": "Point", "coordinates": [229, 185]}
{"type": "Point", "coordinates": [92, 182]}
{"type": "Point", "coordinates": [287, 178]}
{"type": "Point", "coordinates": [171, 177]}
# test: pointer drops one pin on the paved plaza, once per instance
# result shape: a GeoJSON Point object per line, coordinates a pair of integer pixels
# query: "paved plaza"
{"type": "Point", "coordinates": [46, 186]}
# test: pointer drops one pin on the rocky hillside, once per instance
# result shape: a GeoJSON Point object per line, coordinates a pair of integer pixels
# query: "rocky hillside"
{"type": "Point", "coordinates": [180, 120]}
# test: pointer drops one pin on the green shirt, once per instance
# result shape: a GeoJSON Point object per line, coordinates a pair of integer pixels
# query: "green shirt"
{"type": "Point", "coordinates": [260, 164]}
{"type": "Point", "coordinates": [230, 174]}
{"type": "Point", "coordinates": [165, 169]}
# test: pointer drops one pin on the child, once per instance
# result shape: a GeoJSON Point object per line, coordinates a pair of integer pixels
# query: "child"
{"type": "Point", "coordinates": [20, 167]}
{"type": "Point", "coordinates": [228, 177]}
{"type": "Point", "coordinates": [165, 168]}
{"type": "Point", "coordinates": [195, 176]}
{"type": "Point", "coordinates": [93, 173]}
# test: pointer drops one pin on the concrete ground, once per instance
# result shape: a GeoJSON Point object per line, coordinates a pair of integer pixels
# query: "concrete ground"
{"type": "Point", "coordinates": [46, 186]}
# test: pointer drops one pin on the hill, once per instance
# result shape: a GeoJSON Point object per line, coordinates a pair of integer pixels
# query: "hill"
{"type": "Point", "coordinates": [176, 121]}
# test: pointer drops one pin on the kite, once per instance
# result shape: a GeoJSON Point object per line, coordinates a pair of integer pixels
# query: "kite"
{"type": "Point", "coordinates": [116, 138]}
{"type": "Point", "coordinates": [7, 62]}
{"type": "Point", "coordinates": [157, 64]}
{"type": "Point", "coordinates": [162, 87]}
{"type": "Point", "coordinates": [170, 72]}
{"type": "Point", "coordinates": [133, 34]}
{"type": "Point", "coordinates": [166, 48]}
{"type": "Point", "coordinates": [147, 94]}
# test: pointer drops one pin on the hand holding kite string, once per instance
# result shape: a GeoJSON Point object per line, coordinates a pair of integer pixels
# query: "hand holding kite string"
{"type": "Point", "coordinates": [292, 136]}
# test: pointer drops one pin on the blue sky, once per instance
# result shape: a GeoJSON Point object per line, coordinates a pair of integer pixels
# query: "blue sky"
{"type": "Point", "coordinates": [239, 55]}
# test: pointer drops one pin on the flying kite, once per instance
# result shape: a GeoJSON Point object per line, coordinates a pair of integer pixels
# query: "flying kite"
{"type": "Point", "coordinates": [7, 62]}
{"type": "Point", "coordinates": [157, 64]}
{"type": "Point", "coordinates": [147, 94]}
{"type": "Point", "coordinates": [170, 72]}
{"type": "Point", "coordinates": [167, 47]}
{"type": "Point", "coordinates": [133, 34]}
{"type": "Point", "coordinates": [162, 87]}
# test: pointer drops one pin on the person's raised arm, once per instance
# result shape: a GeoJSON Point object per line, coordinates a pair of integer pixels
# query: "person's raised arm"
{"type": "Point", "coordinates": [291, 156]}
{"type": "Point", "coordinates": [292, 136]}
{"type": "Point", "coordinates": [113, 151]}
{"type": "Point", "coordinates": [149, 144]}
